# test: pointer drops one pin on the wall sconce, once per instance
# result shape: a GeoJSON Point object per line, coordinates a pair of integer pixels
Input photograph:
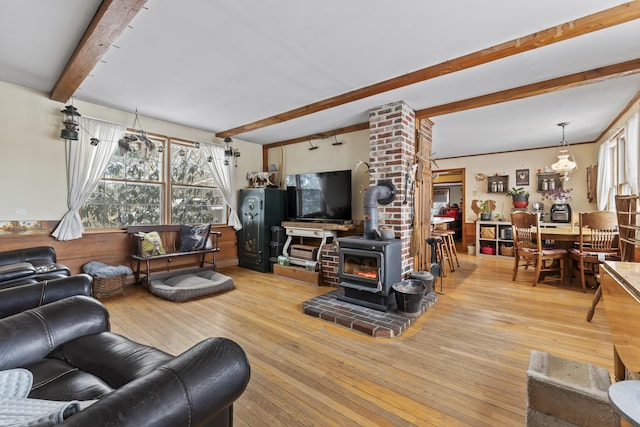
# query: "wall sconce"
{"type": "Point", "coordinates": [335, 140]}
{"type": "Point", "coordinates": [70, 118]}
{"type": "Point", "coordinates": [228, 150]}
{"type": "Point", "coordinates": [94, 141]}
{"type": "Point", "coordinates": [210, 159]}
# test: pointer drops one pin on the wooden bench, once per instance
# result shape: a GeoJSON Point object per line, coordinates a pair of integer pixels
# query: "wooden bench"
{"type": "Point", "coordinates": [173, 258]}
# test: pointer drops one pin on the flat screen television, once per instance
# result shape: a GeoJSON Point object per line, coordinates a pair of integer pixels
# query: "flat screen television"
{"type": "Point", "coordinates": [319, 196]}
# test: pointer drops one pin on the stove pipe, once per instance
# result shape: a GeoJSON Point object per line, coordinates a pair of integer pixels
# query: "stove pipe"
{"type": "Point", "coordinates": [383, 193]}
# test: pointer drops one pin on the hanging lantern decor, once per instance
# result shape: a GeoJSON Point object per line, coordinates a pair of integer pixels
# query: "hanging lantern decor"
{"type": "Point", "coordinates": [70, 118]}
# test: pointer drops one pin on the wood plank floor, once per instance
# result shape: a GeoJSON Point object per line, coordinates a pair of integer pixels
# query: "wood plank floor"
{"type": "Point", "coordinates": [462, 363]}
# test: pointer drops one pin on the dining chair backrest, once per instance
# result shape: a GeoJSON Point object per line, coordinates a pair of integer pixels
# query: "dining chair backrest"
{"type": "Point", "coordinates": [526, 231]}
{"type": "Point", "coordinates": [598, 232]}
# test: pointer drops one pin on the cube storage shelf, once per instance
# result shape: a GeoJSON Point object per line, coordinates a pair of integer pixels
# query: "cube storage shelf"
{"type": "Point", "coordinates": [494, 238]}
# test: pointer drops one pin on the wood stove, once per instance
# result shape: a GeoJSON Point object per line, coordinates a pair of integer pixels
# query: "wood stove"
{"type": "Point", "coordinates": [367, 269]}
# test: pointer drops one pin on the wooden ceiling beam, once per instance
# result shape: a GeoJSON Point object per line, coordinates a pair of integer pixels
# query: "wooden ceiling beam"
{"type": "Point", "coordinates": [110, 20]}
{"type": "Point", "coordinates": [320, 135]}
{"type": "Point", "coordinates": [560, 83]}
{"type": "Point", "coordinates": [597, 21]}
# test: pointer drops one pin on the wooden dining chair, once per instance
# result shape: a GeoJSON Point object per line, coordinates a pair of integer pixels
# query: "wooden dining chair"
{"type": "Point", "coordinates": [598, 242]}
{"type": "Point", "coordinates": [529, 251]}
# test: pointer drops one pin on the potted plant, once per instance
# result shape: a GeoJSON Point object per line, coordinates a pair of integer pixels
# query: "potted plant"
{"type": "Point", "coordinates": [486, 209]}
{"type": "Point", "coordinates": [519, 196]}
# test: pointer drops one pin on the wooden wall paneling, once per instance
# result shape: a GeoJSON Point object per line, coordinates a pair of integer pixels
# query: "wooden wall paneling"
{"type": "Point", "coordinates": [111, 247]}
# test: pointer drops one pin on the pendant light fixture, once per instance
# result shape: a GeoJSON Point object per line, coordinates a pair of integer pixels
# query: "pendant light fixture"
{"type": "Point", "coordinates": [566, 164]}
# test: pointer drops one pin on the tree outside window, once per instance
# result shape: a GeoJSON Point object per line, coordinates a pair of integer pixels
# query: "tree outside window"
{"type": "Point", "coordinates": [132, 190]}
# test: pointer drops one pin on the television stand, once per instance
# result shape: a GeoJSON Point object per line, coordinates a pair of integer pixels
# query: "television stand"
{"type": "Point", "coordinates": [307, 231]}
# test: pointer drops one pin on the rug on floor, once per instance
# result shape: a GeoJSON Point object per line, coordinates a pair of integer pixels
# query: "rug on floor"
{"type": "Point", "coordinates": [375, 323]}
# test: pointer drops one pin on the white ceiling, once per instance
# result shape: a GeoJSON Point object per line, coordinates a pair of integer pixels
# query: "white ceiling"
{"type": "Point", "coordinates": [216, 65]}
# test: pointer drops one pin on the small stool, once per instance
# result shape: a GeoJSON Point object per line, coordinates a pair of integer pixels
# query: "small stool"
{"type": "Point", "coordinates": [443, 247]}
{"type": "Point", "coordinates": [566, 392]}
{"type": "Point", "coordinates": [451, 240]}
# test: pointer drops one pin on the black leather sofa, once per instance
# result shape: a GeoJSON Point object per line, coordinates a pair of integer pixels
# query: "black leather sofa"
{"type": "Point", "coordinates": [29, 265]}
{"type": "Point", "coordinates": [67, 346]}
{"type": "Point", "coordinates": [23, 297]}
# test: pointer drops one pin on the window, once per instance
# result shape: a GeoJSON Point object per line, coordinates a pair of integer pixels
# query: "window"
{"type": "Point", "coordinates": [194, 197]}
{"type": "Point", "coordinates": [154, 181]}
{"type": "Point", "coordinates": [617, 169]}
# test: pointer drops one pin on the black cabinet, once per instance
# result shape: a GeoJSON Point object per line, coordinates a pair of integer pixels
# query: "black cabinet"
{"type": "Point", "coordinates": [259, 209]}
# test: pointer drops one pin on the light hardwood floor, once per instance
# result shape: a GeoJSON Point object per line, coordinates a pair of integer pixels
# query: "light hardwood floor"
{"type": "Point", "coordinates": [462, 363]}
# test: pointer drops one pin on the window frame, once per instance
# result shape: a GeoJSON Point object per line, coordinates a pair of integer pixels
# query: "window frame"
{"type": "Point", "coordinates": [165, 181]}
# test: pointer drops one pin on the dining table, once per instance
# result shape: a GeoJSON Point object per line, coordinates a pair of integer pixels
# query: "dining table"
{"type": "Point", "coordinates": [561, 232]}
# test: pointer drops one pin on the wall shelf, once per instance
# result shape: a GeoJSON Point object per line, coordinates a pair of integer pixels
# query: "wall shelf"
{"type": "Point", "coordinates": [498, 184]}
{"type": "Point", "coordinates": [548, 181]}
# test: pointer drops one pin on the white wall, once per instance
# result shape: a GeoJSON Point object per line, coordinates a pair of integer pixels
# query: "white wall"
{"type": "Point", "coordinates": [33, 183]}
{"type": "Point", "coordinates": [507, 163]}
{"type": "Point", "coordinates": [297, 158]}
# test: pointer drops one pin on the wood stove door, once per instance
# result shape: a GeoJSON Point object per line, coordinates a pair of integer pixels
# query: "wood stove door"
{"type": "Point", "coordinates": [361, 267]}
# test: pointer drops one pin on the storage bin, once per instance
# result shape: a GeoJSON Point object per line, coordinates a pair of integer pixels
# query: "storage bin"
{"type": "Point", "coordinates": [488, 232]}
{"type": "Point", "coordinates": [104, 287]}
{"type": "Point", "coordinates": [488, 250]}
{"type": "Point", "coordinates": [278, 234]}
{"type": "Point", "coordinates": [276, 249]}
{"type": "Point", "coordinates": [506, 250]}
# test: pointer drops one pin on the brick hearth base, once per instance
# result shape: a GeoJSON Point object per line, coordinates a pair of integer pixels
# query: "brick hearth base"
{"type": "Point", "coordinates": [362, 319]}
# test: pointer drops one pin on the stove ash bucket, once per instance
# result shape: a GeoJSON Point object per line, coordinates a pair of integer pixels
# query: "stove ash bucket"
{"type": "Point", "coordinates": [425, 277]}
{"type": "Point", "coordinates": [409, 295]}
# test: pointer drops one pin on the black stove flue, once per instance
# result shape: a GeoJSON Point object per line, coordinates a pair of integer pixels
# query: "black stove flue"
{"type": "Point", "coordinates": [367, 269]}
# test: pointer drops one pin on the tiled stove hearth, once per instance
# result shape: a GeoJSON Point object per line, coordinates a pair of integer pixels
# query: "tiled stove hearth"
{"type": "Point", "coordinates": [367, 269]}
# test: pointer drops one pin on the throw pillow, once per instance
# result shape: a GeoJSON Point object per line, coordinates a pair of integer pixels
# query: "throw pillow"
{"type": "Point", "coordinates": [151, 244]}
{"type": "Point", "coordinates": [194, 237]}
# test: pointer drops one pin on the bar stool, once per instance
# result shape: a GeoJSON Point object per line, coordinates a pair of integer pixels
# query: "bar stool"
{"type": "Point", "coordinates": [451, 239]}
{"type": "Point", "coordinates": [443, 246]}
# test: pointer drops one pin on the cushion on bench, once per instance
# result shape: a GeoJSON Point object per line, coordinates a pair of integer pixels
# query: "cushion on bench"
{"type": "Point", "coordinates": [194, 237]}
{"type": "Point", "coordinates": [151, 244]}
{"type": "Point", "coordinates": [190, 285]}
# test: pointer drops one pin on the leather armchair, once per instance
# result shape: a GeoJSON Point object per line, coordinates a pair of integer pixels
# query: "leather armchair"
{"type": "Point", "coordinates": [23, 297]}
{"type": "Point", "coordinates": [68, 348]}
{"type": "Point", "coordinates": [29, 265]}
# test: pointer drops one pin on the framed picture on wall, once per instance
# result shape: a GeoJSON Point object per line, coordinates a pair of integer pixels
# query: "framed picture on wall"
{"type": "Point", "coordinates": [522, 176]}
{"type": "Point", "coordinates": [441, 195]}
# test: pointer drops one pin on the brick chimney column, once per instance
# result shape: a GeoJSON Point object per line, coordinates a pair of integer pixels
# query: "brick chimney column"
{"type": "Point", "coordinates": [392, 129]}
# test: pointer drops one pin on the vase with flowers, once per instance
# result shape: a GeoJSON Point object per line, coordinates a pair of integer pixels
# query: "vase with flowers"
{"type": "Point", "coordinates": [558, 195]}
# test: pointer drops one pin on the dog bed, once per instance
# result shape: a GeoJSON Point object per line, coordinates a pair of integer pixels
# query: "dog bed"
{"type": "Point", "coordinates": [191, 285]}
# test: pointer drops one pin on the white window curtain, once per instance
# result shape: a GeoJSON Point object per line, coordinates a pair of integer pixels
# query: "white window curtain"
{"type": "Point", "coordinates": [224, 178]}
{"type": "Point", "coordinates": [604, 175]}
{"type": "Point", "coordinates": [85, 166]}
{"type": "Point", "coordinates": [631, 138]}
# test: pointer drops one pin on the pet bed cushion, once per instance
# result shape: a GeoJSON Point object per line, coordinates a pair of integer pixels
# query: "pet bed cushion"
{"type": "Point", "coordinates": [191, 285]}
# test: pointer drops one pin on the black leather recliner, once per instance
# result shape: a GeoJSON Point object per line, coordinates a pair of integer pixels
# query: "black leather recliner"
{"type": "Point", "coordinates": [23, 297]}
{"type": "Point", "coordinates": [68, 348]}
{"type": "Point", "coordinates": [30, 265]}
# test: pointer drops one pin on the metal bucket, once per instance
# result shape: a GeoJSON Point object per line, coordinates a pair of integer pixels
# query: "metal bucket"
{"type": "Point", "coordinates": [425, 277]}
{"type": "Point", "coordinates": [409, 295]}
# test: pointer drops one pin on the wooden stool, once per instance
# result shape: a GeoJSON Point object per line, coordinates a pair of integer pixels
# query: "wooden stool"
{"type": "Point", "coordinates": [443, 247]}
{"type": "Point", "coordinates": [451, 239]}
